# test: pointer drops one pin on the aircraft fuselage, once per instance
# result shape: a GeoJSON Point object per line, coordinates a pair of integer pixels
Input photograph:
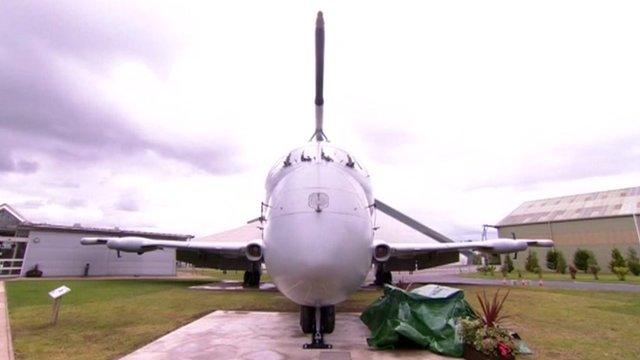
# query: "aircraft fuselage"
{"type": "Point", "coordinates": [318, 233]}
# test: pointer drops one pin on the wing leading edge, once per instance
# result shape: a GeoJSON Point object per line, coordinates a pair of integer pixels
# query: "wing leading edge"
{"type": "Point", "coordinates": [219, 255]}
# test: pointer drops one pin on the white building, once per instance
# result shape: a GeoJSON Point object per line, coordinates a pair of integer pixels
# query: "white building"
{"type": "Point", "coordinates": [57, 251]}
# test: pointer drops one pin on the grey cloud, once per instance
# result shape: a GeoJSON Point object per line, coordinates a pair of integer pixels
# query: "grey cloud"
{"type": "Point", "coordinates": [47, 107]}
{"type": "Point", "coordinates": [611, 157]}
{"type": "Point", "coordinates": [8, 164]}
{"type": "Point", "coordinates": [127, 203]}
{"type": "Point", "coordinates": [74, 203]}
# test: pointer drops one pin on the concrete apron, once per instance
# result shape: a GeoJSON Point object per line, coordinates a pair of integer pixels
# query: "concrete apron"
{"type": "Point", "coordinates": [6, 346]}
{"type": "Point", "coordinates": [265, 336]}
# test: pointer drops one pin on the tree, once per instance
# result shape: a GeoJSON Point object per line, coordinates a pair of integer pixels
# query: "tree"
{"type": "Point", "coordinates": [508, 263]}
{"type": "Point", "coordinates": [616, 260]}
{"type": "Point", "coordinates": [633, 262]}
{"type": "Point", "coordinates": [561, 263]}
{"type": "Point", "coordinates": [581, 258]}
{"type": "Point", "coordinates": [532, 264]}
{"type": "Point", "coordinates": [552, 259]}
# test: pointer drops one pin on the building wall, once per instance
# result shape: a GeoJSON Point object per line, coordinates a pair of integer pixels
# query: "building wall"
{"type": "Point", "coordinates": [61, 254]}
{"type": "Point", "coordinates": [597, 235]}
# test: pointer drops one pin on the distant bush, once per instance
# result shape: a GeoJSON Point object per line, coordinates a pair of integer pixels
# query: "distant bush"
{"type": "Point", "coordinates": [592, 265]}
{"type": "Point", "coordinates": [487, 270]}
{"type": "Point", "coordinates": [504, 270]}
{"type": "Point", "coordinates": [616, 260]}
{"type": "Point", "coordinates": [581, 259]}
{"type": "Point", "coordinates": [532, 264]}
{"type": "Point", "coordinates": [633, 263]}
{"type": "Point", "coordinates": [621, 272]}
{"type": "Point", "coordinates": [561, 263]}
{"type": "Point", "coordinates": [552, 259]}
{"type": "Point", "coordinates": [508, 263]}
{"type": "Point", "coordinates": [573, 271]}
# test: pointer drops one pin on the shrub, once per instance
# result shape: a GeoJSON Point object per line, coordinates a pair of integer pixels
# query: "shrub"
{"type": "Point", "coordinates": [508, 263]}
{"type": "Point", "coordinates": [621, 272]}
{"type": "Point", "coordinates": [581, 259]}
{"type": "Point", "coordinates": [552, 259]}
{"type": "Point", "coordinates": [593, 266]}
{"type": "Point", "coordinates": [482, 269]}
{"type": "Point", "coordinates": [573, 271]}
{"type": "Point", "coordinates": [491, 270]}
{"type": "Point", "coordinates": [633, 263]}
{"type": "Point", "coordinates": [504, 270]}
{"type": "Point", "coordinates": [532, 264]}
{"type": "Point", "coordinates": [616, 260]}
{"type": "Point", "coordinates": [561, 266]}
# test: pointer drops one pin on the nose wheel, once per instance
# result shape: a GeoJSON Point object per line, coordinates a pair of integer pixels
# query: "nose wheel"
{"type": "Point", "coordinates": [317, 321]}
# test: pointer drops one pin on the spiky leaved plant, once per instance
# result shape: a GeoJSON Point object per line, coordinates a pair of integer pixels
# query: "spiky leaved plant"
{"type": "Point", "coordinates": [492, 309]}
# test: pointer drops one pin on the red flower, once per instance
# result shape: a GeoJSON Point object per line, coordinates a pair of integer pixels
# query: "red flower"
{"type": "Point", "coordinates": [504, 350]}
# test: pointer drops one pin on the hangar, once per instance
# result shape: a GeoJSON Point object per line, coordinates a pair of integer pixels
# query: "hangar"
{"type": "Point", "coordinates": [56, 250]}
{"type": "Point", "coordinates": [595, 221]}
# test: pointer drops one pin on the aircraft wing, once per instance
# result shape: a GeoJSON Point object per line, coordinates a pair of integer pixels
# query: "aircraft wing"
{"type": "Point", "coordinates": [219, 255]}
{"type": "Point", "coordinates": [402, 256]}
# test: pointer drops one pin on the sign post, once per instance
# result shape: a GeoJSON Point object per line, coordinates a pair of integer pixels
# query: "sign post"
{"type": "Point", "coordinates": [56, 295]}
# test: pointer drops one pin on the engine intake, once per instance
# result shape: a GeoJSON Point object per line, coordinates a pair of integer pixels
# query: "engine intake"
{"type": "Point", "coordinates": [253, 252]}
{"type": "Point", "coordinates": [381, 252]}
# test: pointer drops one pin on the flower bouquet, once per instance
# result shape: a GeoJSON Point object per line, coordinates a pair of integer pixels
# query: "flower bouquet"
{"type": "Point", "coordinates": [484, 337]}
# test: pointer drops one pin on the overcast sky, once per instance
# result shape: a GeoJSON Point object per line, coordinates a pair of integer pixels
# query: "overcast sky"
{"type": "Point", "coordinates": [167, 116]}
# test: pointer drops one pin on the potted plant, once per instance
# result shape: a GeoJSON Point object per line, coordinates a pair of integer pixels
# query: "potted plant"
{"type": "Point", "coordinates": [485, 338]}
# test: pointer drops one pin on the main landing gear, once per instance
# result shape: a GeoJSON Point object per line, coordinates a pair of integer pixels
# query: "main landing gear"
{"type": "Point", "coordinates": [252, 277]}
{"type": "Point", "coordinates": [382, 276]}
{"type": "Point", "coordinates": [317, 321]}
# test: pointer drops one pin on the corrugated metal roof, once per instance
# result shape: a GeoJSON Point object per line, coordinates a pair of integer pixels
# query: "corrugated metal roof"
{"type": "Point", "coordinates": [102, 231]}
{"type": "Point", "coordinates": [618, 202]}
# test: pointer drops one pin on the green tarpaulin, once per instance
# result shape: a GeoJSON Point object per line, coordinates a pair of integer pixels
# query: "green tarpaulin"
{"type": "Point", "coordinates": [425, 317]}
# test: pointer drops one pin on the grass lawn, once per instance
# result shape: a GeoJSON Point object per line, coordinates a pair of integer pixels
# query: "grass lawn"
{"type": "Point", "coordinates": [580, 276]}
{"type": "Point", "coordinates": [104, 319]}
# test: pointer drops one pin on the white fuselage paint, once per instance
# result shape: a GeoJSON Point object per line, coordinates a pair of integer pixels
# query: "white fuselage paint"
{"type": "Point", "coordinates": [318, 233]}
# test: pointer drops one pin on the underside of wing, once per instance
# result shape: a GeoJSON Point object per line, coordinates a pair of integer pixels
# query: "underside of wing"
{"type": "Point", "coordinates": [236, 255]}
{"type": "Point", "coordinates": [403, 256]}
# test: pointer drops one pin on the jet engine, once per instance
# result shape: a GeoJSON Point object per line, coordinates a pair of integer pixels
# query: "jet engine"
{"type": "Point", "coordinates": [381, 251]}
{"type": "Point", "coordinates": [503, 246]}
{"type": "Point", "coordinates": [253, 252]}
{"type": "Point", "coordinates": [130, 244]}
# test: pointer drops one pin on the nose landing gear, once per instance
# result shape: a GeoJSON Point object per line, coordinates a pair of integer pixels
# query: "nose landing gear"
{"type": "Point", "coordinates": [382, 276]}
{"type": "Point", "coordinates": [317, 321]}
{"type": "Point", "coordinates": [252, 277]}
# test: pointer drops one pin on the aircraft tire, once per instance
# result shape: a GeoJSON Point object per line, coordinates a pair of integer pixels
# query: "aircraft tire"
{"type": "Point", "coordinates": [256, 279]}
{"type": "Point", "coordinates": [328, 319]}
{"type": "Point", "coordinates": [307, 319]}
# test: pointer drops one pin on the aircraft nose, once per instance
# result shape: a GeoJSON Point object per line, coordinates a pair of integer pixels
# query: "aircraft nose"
{"type": "Point", "coordinates": [318, 257]}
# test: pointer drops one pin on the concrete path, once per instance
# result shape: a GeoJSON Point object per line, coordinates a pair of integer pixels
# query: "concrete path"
{"type": "Point", "coordinates": [264, 336]}
{"type": "Point", "coordinates": [6, 346]}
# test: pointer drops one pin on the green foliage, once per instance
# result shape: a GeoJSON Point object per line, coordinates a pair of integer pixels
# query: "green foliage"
{"type": "Point", "coordinates": [594, 268]}
{"type": "Point", "coordinates": [552, 259]}
{"type": "Point", "coordinates": [573, 271]}
{"type": "Point", "coordinates": [485, 333]}
{"type": "Point", "coordinates": [621, 272]}
{"type": "Point", "coordinates": [504, 270]}
{"type": "Point", "coordinates": [532, 264]}
{"type": "Point", "coordinates": [485, 339]}
{"type": "Point", "coordinates": [581, 259]}
{"type": "Point", "coordinates": [487, 270]}
{"type": "Point", "coordinates": [633, 263]}
{"type": "Point", "coordinates": [616, 260]}
{"type": "Point", "coordinates": [508, 263]}
{"type": "Point", "coordinates": [561, 263]}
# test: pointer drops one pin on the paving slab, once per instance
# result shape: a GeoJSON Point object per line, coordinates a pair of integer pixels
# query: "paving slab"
{"type": "Point", "coordinates": [6, 346]}
{"type": "Point", "coordinates": [265, 336]}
